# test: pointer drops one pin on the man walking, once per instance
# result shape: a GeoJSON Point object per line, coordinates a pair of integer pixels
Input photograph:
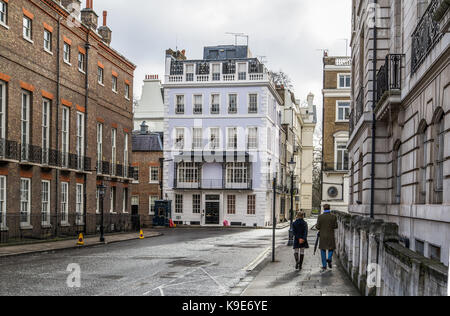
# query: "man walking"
{"type": "Point", "coordinates": [326, 224]}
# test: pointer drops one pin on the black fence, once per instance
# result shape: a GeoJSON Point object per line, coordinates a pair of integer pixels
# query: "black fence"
{"type": "Point", "coordinates": [22, 228]}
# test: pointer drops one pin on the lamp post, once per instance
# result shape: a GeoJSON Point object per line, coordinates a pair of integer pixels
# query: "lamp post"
{"type": "Point", "coordinates": [101, 192]}
{"type": "Point", "coordinates": [292, 165]}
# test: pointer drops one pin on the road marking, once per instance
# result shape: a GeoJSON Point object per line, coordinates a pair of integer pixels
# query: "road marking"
{"type": "Point", "coordinates": [215, 281]}
{"type": "Point", "coordinates": [252, 265]}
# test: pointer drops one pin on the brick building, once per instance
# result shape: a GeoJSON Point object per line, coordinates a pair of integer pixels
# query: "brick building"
{"type": "Point", "coordinates": [147, 160]}
{"type": "Point", "coordinates": [336, 112]}
{"type": "Point", "coordinates": [66, 113]}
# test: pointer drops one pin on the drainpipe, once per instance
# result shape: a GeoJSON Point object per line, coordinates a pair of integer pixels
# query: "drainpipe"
{"type": "Point", "coordinates": [87, 46]}
{"type": "Point", "coordinates": [58, 97]}
{"type": "Point", "coordinates": [374, 126]}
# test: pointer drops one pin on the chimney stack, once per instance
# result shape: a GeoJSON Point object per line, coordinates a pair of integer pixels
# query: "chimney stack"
{"type": "Point", "coordinates": [71, 5]}
{"type": "Point", "coordinates": [88, 15]}
{"type": "Point", "coordinates": [104, 31]}
{"type": "Point", "coordinates": [310, 99]}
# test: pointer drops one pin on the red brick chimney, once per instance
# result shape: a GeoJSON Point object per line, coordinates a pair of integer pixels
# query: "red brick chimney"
{"type": "Point", "coordinates": [88, 15]}
{"type": "Point", "coordinates": [104, 31]}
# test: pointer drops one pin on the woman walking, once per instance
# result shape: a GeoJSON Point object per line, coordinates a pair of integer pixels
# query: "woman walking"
{"type": "Point", "coordinates": [300, 231]}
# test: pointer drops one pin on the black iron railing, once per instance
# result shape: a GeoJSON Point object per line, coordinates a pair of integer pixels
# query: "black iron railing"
{"type": "Point", "coordinates": [119, 170]}
{"type": "Point", "coordinates": [30, 153]}
{"type": "Point", "coordinates": [359, 105]}
{"type": "Point", "coordinates": [9, 149]}
{"type": "Point", "coordinates": [425, 37]}
{"type": "Point", "coordinates": [215, 184]}
{"type": "Point", "coordinates": [105, 168]}
{"type": "Point", "coordinates": [48, 225]}
{"type": "Point", "coordinates": [389, 76]}
{"type": "Point", "coordinates": [352, 122]}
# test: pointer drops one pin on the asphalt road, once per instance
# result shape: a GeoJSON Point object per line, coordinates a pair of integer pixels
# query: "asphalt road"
{"type": "Point", "coordinates": [183, 262]}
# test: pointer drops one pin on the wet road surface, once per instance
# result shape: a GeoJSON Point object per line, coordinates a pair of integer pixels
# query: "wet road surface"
{"type": "Point", "coordinates": [185, 262]}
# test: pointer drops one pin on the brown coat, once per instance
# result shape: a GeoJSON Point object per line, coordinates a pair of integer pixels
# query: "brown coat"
{"type": "Point", "coordinates": [326, 224]}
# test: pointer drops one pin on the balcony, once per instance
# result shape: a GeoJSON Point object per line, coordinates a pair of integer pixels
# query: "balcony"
{"type": "Point", "coordinates": [359, 105]}
{"type": "Point", "coordinates": [341, 167]}
{"type": "Point", "coordinates": [426, 35]}
{"type": "Point", "coordinates": [9, 150]}
{"type": "Point", "coordinates": [203, 72]}
{"type": "Point", "coordinates": [214, 184]}
{"type": "Point", "coordinates": [389, 82]}
{"type": "Point", "coordinates": [30, 154]}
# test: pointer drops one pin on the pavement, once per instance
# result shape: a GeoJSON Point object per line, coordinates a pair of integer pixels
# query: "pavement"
{"type": "Point", "coordinates": [281, 278]}
{"type": "Point", "coordinates": [40, 247]}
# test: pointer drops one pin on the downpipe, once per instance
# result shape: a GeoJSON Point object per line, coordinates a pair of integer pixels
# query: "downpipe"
{"type": "Point", "coordinates": [374, 126]}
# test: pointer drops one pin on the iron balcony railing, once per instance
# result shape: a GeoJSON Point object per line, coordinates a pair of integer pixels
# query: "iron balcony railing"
{"type": "Point", "coordinates": [214, 184]}
{"type": "Point", "coordinates": [389, 77]}
{"type": "Point", "coordinates": [425, 37]}
{"type": "Point", "coordinates": [359, 105]}
{"type": "Point", "coordinates": [352, 122]}
{"type": "Point", "coordinates": [9, 149]}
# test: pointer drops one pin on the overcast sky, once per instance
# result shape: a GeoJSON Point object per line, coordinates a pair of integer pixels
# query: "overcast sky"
{"type": "Point", "coordinates": [289, 33]}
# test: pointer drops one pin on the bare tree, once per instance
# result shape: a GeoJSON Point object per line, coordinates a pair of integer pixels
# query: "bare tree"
{"type": "Point", "coordinates": [280, 78]}
{"type": "Point", "coordinates": [317, 179]}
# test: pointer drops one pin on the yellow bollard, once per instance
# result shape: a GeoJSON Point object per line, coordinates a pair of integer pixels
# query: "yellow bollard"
{"type": "Point", "coordinates": [80, 240]}
{"type": "Point", "coordinates": [141, 234]}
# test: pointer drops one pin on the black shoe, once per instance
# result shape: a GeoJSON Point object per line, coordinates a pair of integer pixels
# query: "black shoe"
{"type": "Point", "coordinates": [324, 269]}
{"type": "Point", "coordinates": [330, 264]}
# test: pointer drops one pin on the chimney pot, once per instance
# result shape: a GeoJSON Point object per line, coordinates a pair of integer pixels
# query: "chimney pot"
{"type": "Point", "coordinates": [105, 16]}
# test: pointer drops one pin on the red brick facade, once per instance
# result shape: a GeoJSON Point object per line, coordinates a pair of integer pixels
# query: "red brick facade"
{"type": "Point", "coordinates": [25, 66]}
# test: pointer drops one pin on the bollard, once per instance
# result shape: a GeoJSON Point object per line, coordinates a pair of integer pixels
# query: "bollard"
{"type": "Point", "coordinates": [141, 234]}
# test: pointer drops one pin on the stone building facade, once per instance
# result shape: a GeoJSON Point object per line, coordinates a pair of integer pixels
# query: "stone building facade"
{"type": "Point", "coordinates": [147, 160]}
{"type": "Point", "coordinates": [299, 123]}
{"type": "Point", "coordinates": [336, 113]}
{"type": "Point", "coordinates": [150, 107]}
{"type": "Point", "coordinates": [65, 119]}
{"type": "Point", "coordinates": [406, 89]}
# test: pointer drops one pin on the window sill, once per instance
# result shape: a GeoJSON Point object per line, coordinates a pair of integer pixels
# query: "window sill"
{"type": "Point", "coordinates": [67, 63]}
{"type": "Point", "coordinates": [128, 99]}
{"type": "Point", "coordinates": [46, 226]}
{"type": "Point", "coordinates": [65, 225]}
{"type": "Point", "coordinates": [100, 83]}
{"type": "Point", "coordinates": [82, 71]}
{"type": "Point", "coordinates": [48, 52]}
{"type": "Point", "coordinates": [4, 229]}
{"type": "Point", "coordinates": [115, 91]}
{"type": "Point", "coordinates": [344, 121]}
{"type": "Point", "coordinates": [4, 25]}
{"type": "Point", "coordinates": [26, 227]}
{"type": "Point", "coordinates": [29, 40]}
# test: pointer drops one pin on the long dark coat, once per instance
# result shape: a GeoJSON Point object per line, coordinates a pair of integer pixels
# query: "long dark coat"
{"type": "Point", "coordinates": [326, 224]}
{"type": "Point", "coordinates": [300, 230]}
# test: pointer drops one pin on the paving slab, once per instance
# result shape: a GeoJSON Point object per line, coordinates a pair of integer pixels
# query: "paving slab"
{"type": "Point", "coordinates": [281, 279]}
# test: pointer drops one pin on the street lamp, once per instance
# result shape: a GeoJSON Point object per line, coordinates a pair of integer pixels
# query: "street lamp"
{"type": "Point", "coordinates": [292, 165]}
{"type": "Point", "coordinates": [101, 192]}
